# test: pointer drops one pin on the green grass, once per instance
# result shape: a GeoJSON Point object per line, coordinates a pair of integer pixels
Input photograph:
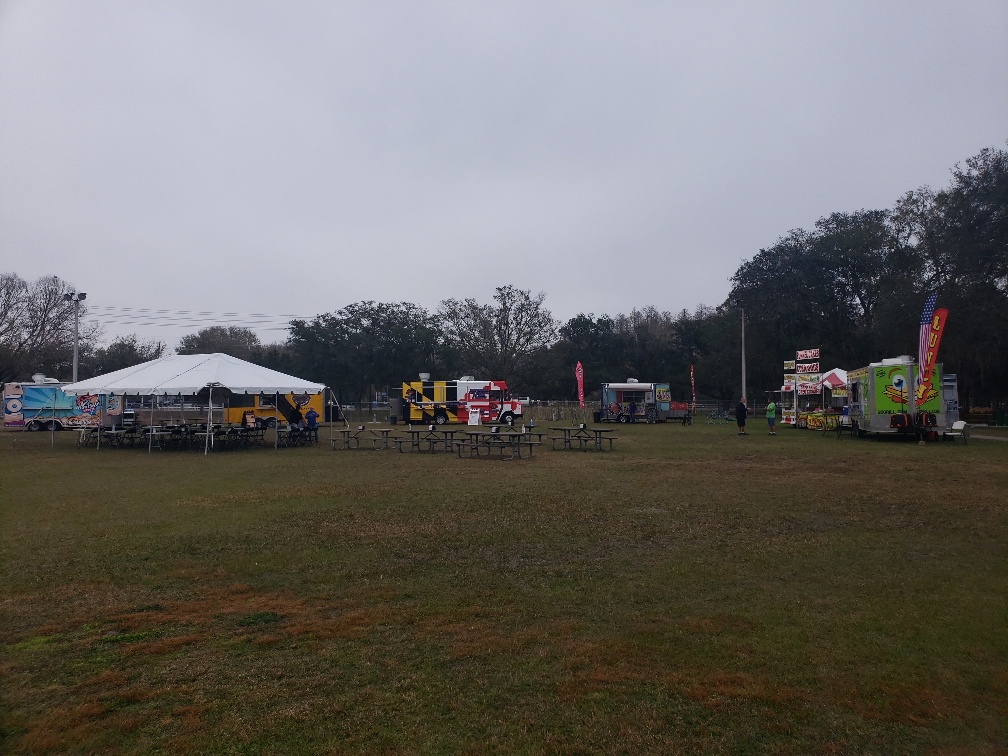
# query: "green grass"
{"type": "Point", "coordinates": [691, 591]}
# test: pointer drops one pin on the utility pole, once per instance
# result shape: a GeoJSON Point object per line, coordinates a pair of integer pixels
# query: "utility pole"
{"type": "Point", "coordinates": [744, 400]}
{"type": "Point", "coordinates": [76, 298]}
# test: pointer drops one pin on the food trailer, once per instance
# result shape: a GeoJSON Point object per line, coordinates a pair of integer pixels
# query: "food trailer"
{"type": "Point", "coordinates": [877, 398]}
{"type": "Point", "coordinates": [633, 400]}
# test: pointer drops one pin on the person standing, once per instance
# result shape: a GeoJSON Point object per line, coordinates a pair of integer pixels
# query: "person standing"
{"type": "Point", "coordinates": [771, 416]}
{"type": "Point", "coordinates": [740, 416]}
{"type": "Point", "coordinates": [311, 424]}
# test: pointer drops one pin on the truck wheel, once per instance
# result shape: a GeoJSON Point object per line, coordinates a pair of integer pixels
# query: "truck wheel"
{"type": "Point", "coordinates": [623, 418]}
{"type": "Point", "coordinates": [53, 425]}
{"type": "Point", "coordinates": [440, 418]}
{"type": "Point", "coordinates": [507, 418]}
{"type": "Point", "coordinates": [33, 425]}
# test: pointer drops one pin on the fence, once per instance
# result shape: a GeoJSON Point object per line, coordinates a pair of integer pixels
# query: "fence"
{"type": "Point", "coordinates": [541, 413]}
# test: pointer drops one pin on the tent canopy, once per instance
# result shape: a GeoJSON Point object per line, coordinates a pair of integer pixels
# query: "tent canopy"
{"type": "Point", "coordinates": [835, 378]}
{"type": "Point", "coordinates": [188, 374]}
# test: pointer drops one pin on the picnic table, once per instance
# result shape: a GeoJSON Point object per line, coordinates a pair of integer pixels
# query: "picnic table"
{"type": "Point", "coordinates": [581, 437]}
{"type": "Point", "coordinates": [430, 439]}
{"type": "Point", "coordinates": [374, 438]}
{"type": "Point", "coordinates": [508, 444]}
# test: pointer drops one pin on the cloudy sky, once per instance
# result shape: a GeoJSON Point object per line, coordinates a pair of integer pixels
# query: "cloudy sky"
{"type": "Point", "coordinates": [286, 159]}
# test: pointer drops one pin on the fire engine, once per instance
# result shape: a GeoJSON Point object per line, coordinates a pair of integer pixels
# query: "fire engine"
{"type": "Point", "coordinates": [440, 402]}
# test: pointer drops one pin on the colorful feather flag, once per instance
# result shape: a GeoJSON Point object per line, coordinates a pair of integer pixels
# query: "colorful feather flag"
{"type": "Point", "coordinates": [925, 331]}
{"type": "Point", "coordinates": [935, 329]}
{"type": "Point", "coordinates": [579, 374]}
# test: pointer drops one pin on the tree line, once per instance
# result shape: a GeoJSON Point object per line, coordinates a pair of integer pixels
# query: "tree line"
{"type": "Point", "coordinates": [853, 286]}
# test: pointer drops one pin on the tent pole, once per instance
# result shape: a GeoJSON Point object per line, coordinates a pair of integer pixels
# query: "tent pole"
{"type": "Point", "coordinates": [209, 425]}
{"type": "Point", "coordinates": [276, 420]}
{"type": "Point", "coordinates": [150, 433]}
{"type": "Point", "coordinates": [101, 418]}
{"type": "Point", "coordinates": [52, 425]}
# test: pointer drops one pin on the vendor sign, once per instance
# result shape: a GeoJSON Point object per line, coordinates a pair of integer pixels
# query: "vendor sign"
{"type": "Point", "coordinates": [807, 367]}
{"type": "Point", "coordinates": [809, 384]}
{"type": "Point", "coordinates": [788, 365]}
{"type": "Point", "coordinates": [807, 354]}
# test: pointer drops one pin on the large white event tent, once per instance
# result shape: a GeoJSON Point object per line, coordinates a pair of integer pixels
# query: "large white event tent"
{"type": "Point", "coordinates": [191, 374]}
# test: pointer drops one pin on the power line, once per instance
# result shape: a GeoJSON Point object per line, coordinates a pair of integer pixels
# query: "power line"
{"type": "Point", "coordinates": [166, 318]}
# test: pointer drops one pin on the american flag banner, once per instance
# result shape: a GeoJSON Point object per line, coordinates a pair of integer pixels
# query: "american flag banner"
{"type": "Point", "coordinates": [934, 339]}
{"type": "Point", "coordinates": [925, 331]}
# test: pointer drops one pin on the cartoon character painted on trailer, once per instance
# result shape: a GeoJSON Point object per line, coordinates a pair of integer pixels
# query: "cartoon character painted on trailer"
{"type": "Point", "coordinates": [895, 390]}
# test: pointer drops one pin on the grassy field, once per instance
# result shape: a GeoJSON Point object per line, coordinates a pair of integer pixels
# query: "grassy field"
{"type": "Point", "coordinates": [691, 591]}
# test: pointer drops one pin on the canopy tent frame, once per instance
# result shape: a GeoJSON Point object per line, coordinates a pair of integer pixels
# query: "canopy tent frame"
{"type": "Point", "coordinates": [188, 375]}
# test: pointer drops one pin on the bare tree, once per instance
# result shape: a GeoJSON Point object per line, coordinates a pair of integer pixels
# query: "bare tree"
{"type": "Point", "coordinates": [36, 327]}
{"type": "Point", "coordinates": [498, 340]}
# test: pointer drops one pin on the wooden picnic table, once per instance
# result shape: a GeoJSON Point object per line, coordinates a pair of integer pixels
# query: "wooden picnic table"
{"type": "Point", "coordinates": [508, 444]}
{"type": "Point", "coordinates": [582, 437]}
{"type": "Point", "coordinates": [430, 438]}
{"type": "Point", "coordinates": [375, 438]}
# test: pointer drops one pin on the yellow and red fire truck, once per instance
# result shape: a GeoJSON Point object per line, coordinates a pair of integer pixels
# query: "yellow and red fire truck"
{"type": "Point", "coordinates": [440, 402]}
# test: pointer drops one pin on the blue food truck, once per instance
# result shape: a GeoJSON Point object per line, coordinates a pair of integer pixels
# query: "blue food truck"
{"type": "Point", "coordinates": [42, 405]}
{"type": "Point", "coordinates": [634, 401]}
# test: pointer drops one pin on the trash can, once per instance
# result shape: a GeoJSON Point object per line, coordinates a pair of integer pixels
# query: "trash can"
{"type": "Point", "coordinates": [395, 410]}
{"type": "Point", "coordinates": [597, 416]}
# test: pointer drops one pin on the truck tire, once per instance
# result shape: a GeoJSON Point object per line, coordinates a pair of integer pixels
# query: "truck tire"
{"type": "Point", "coordinates": [53, 425]}
{"type": "Point", "coordinates": [440, 417]}
{"type": "Point", "coordinates": [507, 418]}
{"type": "Point", "coordinates": [33, 426]}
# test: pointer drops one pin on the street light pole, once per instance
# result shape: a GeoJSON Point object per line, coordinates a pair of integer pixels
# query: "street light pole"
{"type": "Point", "coordinates": [76, 298]}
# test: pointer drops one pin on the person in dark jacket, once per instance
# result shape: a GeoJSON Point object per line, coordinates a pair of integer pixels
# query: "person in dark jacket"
{"type": "Point", "coordinates": [740, 415]}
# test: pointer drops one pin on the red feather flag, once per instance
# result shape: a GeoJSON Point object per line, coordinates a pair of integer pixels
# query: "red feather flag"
{"type": "Point", "coordinates": [935, 329]}
{"type": "Point", "coordinates": [579, 372]}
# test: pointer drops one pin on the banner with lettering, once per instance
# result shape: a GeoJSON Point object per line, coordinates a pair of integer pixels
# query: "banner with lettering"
{"type": "Point", "coordinates": [692, 384]}
{"type": "Point", "coordinates": [579, 374]}
{"type": "Point", "coordinates": [933, 340]}
{"type": "Point", "coordinates": [807, 354]}
{"type": "Point", "coordinates": [807, 367]}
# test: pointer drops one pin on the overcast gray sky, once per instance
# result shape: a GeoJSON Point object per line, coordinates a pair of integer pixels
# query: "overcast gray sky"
{"type": "Point", "coordinates": [292, 158]}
